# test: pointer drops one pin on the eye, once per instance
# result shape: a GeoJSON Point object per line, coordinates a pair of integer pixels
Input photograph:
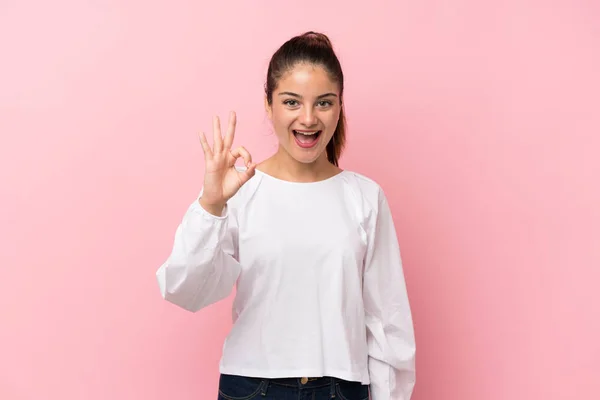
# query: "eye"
{"type": "Point", "coordinates": [325, 103]}
{"type": "Point", "coordinates": [290, 102]}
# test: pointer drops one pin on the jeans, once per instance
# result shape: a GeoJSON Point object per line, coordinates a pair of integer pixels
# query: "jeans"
{"type": "Point", "coordinates": [233, 387]}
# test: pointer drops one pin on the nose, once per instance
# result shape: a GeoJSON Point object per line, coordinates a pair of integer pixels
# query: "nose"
{"type": "Point", "coordinates": [308, 117]}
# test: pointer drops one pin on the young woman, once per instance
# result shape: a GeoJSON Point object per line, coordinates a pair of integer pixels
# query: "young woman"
{"type": "Point", "coordinates": [321, 309]}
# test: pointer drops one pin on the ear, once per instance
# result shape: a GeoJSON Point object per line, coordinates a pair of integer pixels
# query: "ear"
{"type": "Point", "coordinates": [268, 108]}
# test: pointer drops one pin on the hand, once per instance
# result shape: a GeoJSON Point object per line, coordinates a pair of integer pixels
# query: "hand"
{"type": "Point", "coordinates": [221, 179]}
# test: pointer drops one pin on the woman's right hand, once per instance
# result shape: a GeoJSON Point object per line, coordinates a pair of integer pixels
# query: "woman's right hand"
{"type": "Point", "coordinates": [221, 179]}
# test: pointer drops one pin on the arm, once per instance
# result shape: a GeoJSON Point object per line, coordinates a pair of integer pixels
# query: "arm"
{"type": "Point", "coordinates": [202, 267]}
{"type": "Point", "coordinates": [390, 333]}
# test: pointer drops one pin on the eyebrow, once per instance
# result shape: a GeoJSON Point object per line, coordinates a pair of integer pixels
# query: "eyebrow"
{"type": "Point", "coordinates": [298, 96]}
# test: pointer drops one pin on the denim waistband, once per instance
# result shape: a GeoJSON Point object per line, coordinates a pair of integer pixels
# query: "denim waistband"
{"type": "Point", "coordinates": [306, 383]}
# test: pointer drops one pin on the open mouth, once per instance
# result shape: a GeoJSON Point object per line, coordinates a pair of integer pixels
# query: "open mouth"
{"type": "Point", "coordinates": [306, 139]}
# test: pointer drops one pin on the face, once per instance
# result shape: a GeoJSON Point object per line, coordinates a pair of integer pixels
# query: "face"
{"type": "Point", "coordinates": [305, 111]}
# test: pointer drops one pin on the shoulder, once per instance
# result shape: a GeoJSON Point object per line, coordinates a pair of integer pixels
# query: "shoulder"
{"type": "Point", "coordinates": [372, 202]}
{"type": "Point", "coordinates": [365, 195]}
{"type": "Point", "coordinates": [363, 180]}
{"type": "Point", "coordinates": [368, 188]}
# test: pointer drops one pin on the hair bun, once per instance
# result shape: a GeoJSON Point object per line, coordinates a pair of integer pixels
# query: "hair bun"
{"type": "Point", "coordinates": [317, 38]}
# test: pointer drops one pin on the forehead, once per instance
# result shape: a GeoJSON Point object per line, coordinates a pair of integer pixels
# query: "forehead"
{"type": "Point", "coordinates": [307, 80]}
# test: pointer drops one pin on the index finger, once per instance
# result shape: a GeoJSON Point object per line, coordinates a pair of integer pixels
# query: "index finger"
{"type": "Point", "coordinates": [230, 130]}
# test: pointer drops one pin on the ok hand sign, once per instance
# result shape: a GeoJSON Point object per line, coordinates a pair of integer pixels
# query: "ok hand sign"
{"type": "Point", "coordinates": [221, 179]}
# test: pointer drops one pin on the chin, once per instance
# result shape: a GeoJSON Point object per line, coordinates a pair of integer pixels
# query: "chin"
{"type": "Point", "coordinates": [304, 158]}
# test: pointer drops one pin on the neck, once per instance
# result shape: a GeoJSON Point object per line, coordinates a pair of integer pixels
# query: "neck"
{"type": "Point", "coordinates": [283, 166]}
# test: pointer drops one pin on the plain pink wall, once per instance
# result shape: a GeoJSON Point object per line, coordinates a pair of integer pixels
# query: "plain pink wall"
{"type": "Point", "coordinates": [480, 120]}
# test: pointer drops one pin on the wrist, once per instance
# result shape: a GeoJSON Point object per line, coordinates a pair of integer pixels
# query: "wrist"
{"type": "Point", "coordinates": [214, 209]}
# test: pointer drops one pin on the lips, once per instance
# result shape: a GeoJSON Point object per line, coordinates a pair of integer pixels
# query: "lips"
{"type": "Point", "coordinates": [306, 139]}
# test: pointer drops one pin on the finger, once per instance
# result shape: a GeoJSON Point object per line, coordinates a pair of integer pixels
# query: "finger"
{"type": "Point", "coordinates": [242, 152]}
{"type": "Point", "coordinates": [249, 173]}
{"type": "Point", "coordinates": [205, 145]}
{"type": "Point", "coordinates": [230, 131]}
{"type": "Point", "coordinates": [217, 138]}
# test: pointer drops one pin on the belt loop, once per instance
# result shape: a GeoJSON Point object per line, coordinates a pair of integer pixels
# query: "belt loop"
{"type": "Point", "coordinates": [264, 386]}
{"type": "Point", "coordinates": [332, 388]}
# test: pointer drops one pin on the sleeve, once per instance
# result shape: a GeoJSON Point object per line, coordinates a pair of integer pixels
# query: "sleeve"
{"type": "Point", "coordinates": [203, 266]}
{"type": "Point", "coordinates": [390, 334]}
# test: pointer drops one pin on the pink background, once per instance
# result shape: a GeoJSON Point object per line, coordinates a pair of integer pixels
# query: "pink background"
{"type": "Point", "coordinates": [480, 119]}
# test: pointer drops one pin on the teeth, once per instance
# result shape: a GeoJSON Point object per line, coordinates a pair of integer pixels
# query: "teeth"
{"type": "Point", "coordinates": [307, 133]}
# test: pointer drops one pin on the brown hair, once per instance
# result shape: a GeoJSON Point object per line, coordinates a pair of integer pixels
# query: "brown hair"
{"type": "Point", "coordinates": [314, 48]}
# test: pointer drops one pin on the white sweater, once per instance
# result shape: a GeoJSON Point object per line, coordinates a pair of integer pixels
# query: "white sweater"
{"type": "Point", "coordinates": [320, 285]}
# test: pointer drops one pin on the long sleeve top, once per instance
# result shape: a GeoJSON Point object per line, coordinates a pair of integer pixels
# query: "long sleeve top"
{"type": "Point", "coordinates": [320, 288]}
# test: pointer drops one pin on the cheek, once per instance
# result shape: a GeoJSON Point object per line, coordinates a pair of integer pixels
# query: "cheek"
{"type": "Point", "coordinates": [282, 119]}
{"type": "Point", "coordinates": [332, 120]}
{"type": "Point", "coordinates": [280, 128]}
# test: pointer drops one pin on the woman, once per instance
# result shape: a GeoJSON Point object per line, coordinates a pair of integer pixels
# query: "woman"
{"type": "Point", "coordinates": [321, 309]}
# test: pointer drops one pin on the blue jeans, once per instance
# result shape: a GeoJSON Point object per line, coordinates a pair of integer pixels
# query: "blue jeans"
{"type": "Point", "coordinates": [233, 387]}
